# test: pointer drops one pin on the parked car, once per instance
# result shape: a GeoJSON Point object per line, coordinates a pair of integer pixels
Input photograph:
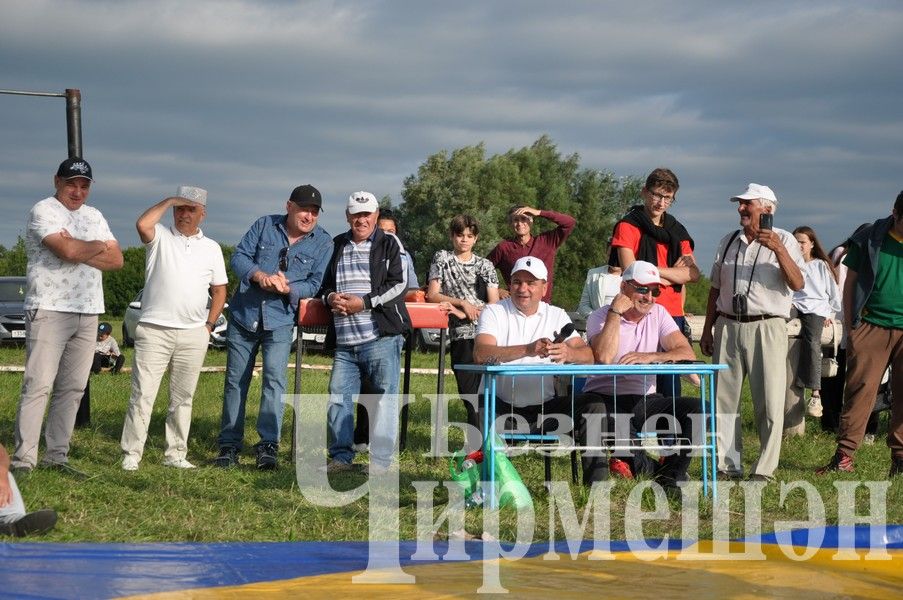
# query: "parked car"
{"type": "Point", "coordinates": [133, 314]}
{"type": "Point", "coordinates": [427, 340]}
{"type": "Point", "coordinates": [12, 309]}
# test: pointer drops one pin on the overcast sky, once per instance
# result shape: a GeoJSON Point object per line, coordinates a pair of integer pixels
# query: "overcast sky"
{"type": "Point", "coordinates": [249, 99]}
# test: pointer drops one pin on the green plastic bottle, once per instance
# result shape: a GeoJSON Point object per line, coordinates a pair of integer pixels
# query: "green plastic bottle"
{"type": "Point", "coordinates": [511, 488]}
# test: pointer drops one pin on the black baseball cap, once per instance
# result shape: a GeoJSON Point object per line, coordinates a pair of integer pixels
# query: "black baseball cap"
{"type": "Point", "coordinates": [73, 167]}
{"type": "Point", "coordinates": [306, 195]}
{"type": "Point", "coordinates": [105, 328]}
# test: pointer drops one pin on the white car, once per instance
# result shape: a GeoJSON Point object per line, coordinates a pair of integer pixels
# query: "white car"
{"type": "Point", "coordinates": [133, 314]}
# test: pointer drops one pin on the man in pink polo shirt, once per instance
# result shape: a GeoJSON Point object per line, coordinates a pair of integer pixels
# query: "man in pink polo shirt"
{"type": "Point", "coordinates": [635, 330]}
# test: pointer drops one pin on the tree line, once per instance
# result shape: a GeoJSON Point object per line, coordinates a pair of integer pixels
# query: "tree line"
{"type": "Point", "coordinates": [465, 180]}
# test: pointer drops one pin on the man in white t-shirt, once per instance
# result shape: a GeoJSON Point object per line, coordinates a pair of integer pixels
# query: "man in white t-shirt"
{"type": "Point", "coordinates": [177, 316]}
{"type": "Point", "coordinates": [520, 330]}
{"type": "Point", "coordinates": [68, 244]}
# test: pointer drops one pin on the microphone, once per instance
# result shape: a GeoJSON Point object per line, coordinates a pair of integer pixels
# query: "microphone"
{"type": "Point", "coordinates": [564, 334]}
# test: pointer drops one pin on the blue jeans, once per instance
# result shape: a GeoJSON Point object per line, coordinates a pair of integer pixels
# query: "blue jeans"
{"type": "Point", "coordinates": [379, 360]}
{"type": "Point", "coordinates": [242, 346]}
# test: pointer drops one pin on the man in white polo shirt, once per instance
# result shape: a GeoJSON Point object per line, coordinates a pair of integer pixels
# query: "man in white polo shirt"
{"type": "Point", "coordinates": [68, 244]}
{"type": "Point", "coordinates": [182, 266]}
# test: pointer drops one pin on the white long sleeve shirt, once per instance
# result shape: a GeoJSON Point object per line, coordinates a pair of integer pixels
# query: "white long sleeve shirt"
{"type": "Point", "coordinates": [820, 294]}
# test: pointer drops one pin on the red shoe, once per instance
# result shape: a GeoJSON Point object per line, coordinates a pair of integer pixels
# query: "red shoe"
{"type": "Point", "coordinates": [839, 463]}
{"type": "Point", "coordinates": [618, 467]}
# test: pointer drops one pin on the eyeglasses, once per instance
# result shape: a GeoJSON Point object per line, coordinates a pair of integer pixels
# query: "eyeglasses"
{"type": "Point", "coordinates": [283, 259]}
{"type": "Point", "coordinates": [661, 198]}
{"type": "Point", "coordinates": [645, 289]}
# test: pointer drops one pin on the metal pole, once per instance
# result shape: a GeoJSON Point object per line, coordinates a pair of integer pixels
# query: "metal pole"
{"type": "Point", "coordinates": [74, 122]}
{"type": "Point", "coordinates": [73, 115]}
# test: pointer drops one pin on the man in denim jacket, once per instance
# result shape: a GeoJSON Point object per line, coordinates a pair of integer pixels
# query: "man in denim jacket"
{"type": "Point", "coordinates": [279, 261]}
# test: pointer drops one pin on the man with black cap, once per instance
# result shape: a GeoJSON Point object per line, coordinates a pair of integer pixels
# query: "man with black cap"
{"type": "Point", "coordinates": [184, 294]}
{"type": "Point", "coordinates": [68, 244]}
{"type": "Point", "coordinates": [279, 261]}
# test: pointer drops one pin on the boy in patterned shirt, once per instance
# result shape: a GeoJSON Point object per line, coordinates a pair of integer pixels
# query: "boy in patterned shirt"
{"type": "Point", "coordinates": [467, 283]}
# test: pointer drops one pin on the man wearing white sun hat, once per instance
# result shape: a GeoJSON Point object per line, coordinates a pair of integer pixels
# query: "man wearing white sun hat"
{"type": "Point", "coordinates": [756, 270]}
{"type": "Point", "coordinates": [182, 267]}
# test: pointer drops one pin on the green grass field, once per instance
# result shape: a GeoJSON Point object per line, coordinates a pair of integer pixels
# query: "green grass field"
{"type": "Point", "coordinates": [210, 504]}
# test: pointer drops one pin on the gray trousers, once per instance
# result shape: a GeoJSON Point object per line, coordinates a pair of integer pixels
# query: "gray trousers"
{"type": "Point", "coordinates": [15, 510]}
{"type": "Point", "coordinates": [59, 350]}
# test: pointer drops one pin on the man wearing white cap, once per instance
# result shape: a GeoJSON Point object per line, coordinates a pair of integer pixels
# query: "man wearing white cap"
{"type": "Point", "coordinates": [364, 286]}
{"type": "Point", "coordinates": [68, 244]}
{"type": "Point", "coordinates": [182, 266]}
{"type": "Point", "coordinates": [633, 330]}
{"type": "Point", "coordinates": [755, 273]}
{"type": "Point", "coordinates": [521, 329]}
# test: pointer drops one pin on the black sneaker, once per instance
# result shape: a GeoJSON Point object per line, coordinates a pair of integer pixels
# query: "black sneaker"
{"type": "Point", "coordinates": [40, 521]}
{"type": "Point", "coordinates": [266, 456]}
{"type": "Point", "coordinates": [228, 458]}
{"type": "Point", "coordinates": [896, 467]}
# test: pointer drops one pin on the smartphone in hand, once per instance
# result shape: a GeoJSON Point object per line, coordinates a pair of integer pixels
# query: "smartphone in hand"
{"type": "Point", "coordinates": [766, 221]}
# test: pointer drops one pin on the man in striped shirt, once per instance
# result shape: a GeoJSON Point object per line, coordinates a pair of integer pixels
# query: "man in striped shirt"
{"type": "Point", "coordinates": [364, 286]}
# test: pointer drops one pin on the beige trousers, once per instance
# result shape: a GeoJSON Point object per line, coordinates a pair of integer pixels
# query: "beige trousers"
{"type": "Point", "coordinates": [156, 348]}
{"type": "Point", "coordinates": [757, 351]}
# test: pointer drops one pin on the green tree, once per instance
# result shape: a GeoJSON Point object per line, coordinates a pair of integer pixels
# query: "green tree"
{"type": "Point", "coordinates": [697, 296]}
{"type": "Point", "coordinates": [120, 287]}
{"type": "Point", "coordinates": [466, 181]}
{"type": "Point", "coordinates": [13, 260]}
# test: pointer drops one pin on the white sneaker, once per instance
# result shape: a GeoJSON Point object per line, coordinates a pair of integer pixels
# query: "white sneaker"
{"type": "Point", "coordinates": [361, 447]}
{"type": "Point", "coordinates": [814, 407]}
{"type": "Point", "coordinates": [178, 463]}
{"type": "Point", "coordinates": [869, 439]}
{"type": "Point", "coordinates": [129, 463]}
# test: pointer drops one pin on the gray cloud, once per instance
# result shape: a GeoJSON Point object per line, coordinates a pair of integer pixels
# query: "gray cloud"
{"type": "Point", "coordinates": [249, 99]}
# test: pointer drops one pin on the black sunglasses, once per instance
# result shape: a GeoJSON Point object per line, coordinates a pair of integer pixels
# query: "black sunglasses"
{"type": "Point", "coordinates": [283, 259]}
{"type": "Point", "coordinates": [645, 289]}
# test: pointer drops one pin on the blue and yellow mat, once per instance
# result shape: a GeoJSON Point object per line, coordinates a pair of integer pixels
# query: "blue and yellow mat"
{"type": "Point", "coordinates": [846, 562]}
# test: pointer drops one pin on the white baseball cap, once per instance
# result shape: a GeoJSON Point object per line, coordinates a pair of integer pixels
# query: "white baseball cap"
{"type": "Point", "coordinates": [754, 191]}
{"type": "Point", "coordinates": [642, 272]}
{"type": "Point", "coordinates": [532, 265]}
{"type": "Point", "coordinates": [359, 202]}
